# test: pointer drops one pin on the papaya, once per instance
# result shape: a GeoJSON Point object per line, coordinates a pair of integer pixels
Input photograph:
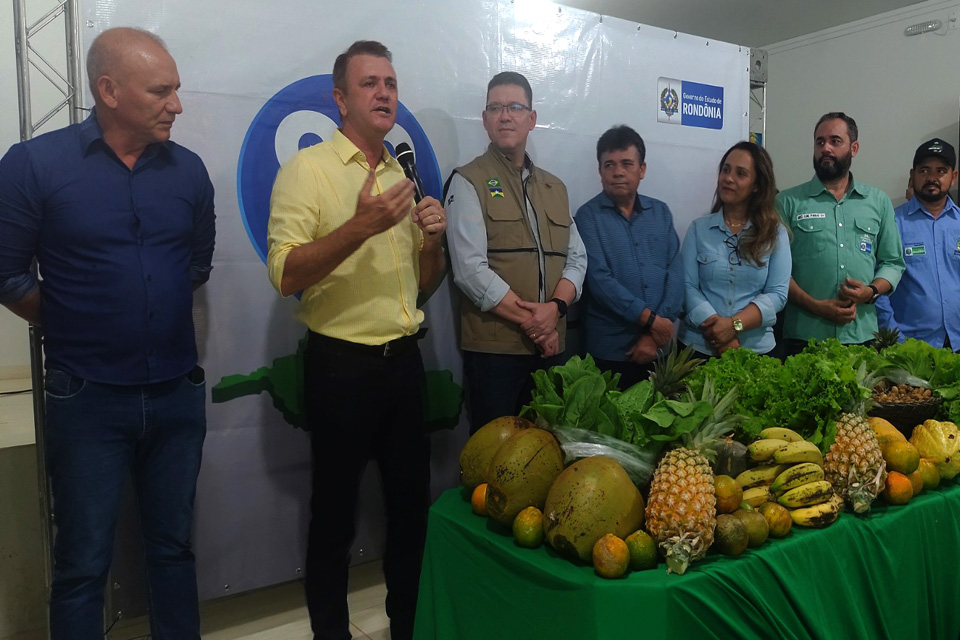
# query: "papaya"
{"type": "Point", "coordinates": [589, 499]}
{"type": "Point", "coordinates": [521, 472]}
{"type": "Point", "coordinates": [477, 453]}
{"type": "Point", "coordinates": [885, 432]}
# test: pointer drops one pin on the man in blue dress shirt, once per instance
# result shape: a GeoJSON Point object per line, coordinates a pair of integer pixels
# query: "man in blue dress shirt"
{"type": "Point", "coordinates": [121, 222]}
{"type": "Point", "coordinates": [926, 304]}
{"type": "Point", "coordinates": [634, 285]}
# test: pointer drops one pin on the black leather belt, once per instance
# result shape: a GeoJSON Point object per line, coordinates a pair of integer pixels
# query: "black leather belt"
{"type": "Point", "coordinates": [391, 349]}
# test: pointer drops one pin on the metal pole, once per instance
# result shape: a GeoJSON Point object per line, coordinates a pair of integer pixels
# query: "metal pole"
{"type": "Point", "coordinates": [71, 22]}
{"type": "Point", "coordinates": [27, 128]}
{"type": "Point", "coordinates": [23, 68]}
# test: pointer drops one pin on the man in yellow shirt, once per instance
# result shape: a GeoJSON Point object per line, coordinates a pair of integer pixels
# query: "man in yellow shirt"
{"type": "Point", "coordinates": [344, 231]}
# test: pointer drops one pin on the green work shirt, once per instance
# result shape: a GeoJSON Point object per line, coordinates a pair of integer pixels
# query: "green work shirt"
{"type": "Point", "coordinates": [856, 237]}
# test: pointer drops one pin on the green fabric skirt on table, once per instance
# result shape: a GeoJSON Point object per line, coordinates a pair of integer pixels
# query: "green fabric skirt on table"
{"type": "Point", "coordinates": [893, 574]}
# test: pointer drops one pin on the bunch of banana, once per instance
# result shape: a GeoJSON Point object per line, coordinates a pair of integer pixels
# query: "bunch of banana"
{"type": "Point", "coordinates": [790, 472]}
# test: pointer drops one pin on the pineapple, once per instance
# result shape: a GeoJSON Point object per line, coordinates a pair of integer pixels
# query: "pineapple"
{"type": "Point", "coordinates": [669, 372]}
{"type": "Point", "coordinates": [885, 337]}
{"type": "Point", "coordinates": [854, 464]}
{"type": "Point", "coordinates": [681, 510]}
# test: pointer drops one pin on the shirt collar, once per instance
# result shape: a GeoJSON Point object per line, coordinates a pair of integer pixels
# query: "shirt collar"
{"type": "Point", "coordinates": [815, 187]}
{"type": "Point", "coordinates": [90, 132]}
{"type": "Point", "coordinates": [914, 206]}
{"type": "Point", "coordinates": [348, 151]}
{"type": "Point", "coordinates": [640, 203]}
{"type": "Point", "coordinates": [527, 167]}
{"type": "Point", "coordinates": [717, 222]}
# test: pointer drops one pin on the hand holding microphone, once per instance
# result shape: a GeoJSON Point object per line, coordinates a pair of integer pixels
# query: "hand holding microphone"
{"type": "Point", "coordinates": [428, 213]}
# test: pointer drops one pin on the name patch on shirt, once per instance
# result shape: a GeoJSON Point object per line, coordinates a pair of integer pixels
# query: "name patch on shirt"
{"type": "Point", "coordinates": [916, 249]}
{"type": "Point", "coordinates": [808, 216]}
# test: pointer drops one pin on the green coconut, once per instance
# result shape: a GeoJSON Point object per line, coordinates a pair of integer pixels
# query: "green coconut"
{"type": "Point", "coordinates": [476, 455]}
{"type": "Point", "coordinates": [521, 472]}
{"type": "Point", "coordinates": [591, 498]}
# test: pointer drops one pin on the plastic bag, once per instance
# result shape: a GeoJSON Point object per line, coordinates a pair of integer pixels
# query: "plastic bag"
{"type": "Point", "coordinates": [580, 443]}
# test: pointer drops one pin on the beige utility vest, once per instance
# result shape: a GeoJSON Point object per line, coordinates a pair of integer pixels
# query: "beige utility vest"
{"type": "Point", "coordinates": [512, 249]}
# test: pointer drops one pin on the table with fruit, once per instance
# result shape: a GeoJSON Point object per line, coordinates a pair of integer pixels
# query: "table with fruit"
{"type": "Point", "coordinates": [741, 497]}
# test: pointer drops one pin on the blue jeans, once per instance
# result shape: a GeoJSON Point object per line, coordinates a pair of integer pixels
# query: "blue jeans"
{"type": "Point", "coordinates": [500, 384]}
{"type": "Point", "coordinates": [95, 435]}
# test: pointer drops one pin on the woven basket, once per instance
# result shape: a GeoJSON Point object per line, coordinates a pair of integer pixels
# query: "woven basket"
{"type": "Point", "coordinates": [906, 415]}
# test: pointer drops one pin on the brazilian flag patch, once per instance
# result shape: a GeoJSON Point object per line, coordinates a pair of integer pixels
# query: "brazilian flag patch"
{"type": "Point", "coordinates": [495, 190]}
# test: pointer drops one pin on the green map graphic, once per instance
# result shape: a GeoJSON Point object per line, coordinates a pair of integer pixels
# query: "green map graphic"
{"type": "Point", "coordinates": [283, 380]}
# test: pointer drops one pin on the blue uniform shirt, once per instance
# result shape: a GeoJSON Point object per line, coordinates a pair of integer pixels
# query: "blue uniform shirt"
{"type": "Point", "coordinates": [926, 303]}
{"type": "Point", "coordinates": [118, 249]}
{"type": "Point", "coordinates": [715, 284]}
{"type": "Point", "coordinates": [632, 264]}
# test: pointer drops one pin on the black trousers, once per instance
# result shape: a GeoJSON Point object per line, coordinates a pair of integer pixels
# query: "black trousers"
{"type": "Point", "coordinates": [360, 406]}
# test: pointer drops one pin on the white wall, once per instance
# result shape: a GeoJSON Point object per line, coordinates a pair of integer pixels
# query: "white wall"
{"type": "Point", "coordinates": [901, 91]}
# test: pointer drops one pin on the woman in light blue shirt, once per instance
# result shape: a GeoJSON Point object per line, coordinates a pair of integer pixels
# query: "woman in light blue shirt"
{"type": "Point", "coordinates": [736, 260]}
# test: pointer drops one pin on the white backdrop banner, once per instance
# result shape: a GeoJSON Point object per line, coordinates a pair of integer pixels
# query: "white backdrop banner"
{"type": "Point", "coordinates": [256, 88]}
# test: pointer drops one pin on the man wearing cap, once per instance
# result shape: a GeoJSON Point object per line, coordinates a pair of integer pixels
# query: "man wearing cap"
{"type": "Point", "coordinates": [926, 304]}
{"type": "Point", "coordinates": [846, 247]}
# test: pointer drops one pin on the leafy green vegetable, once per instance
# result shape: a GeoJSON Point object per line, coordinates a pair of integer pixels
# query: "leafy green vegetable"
{"type": "Point", "coordinates": [577, 394]}
{"type": "Point", "coordinates": [755, 377]}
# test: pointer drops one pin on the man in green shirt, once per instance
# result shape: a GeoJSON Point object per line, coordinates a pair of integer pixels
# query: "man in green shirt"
{"type": "Point", "coordinates": [846, 246]}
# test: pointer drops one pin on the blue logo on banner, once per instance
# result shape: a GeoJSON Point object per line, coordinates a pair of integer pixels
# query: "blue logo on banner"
{"type": "Point", "coordinates": [258, 164]}
{"type": "Point", "coordinates": [699, 105]}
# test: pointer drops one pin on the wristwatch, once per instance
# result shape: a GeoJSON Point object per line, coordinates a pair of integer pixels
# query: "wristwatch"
{"type": "Point", "coordinates": [876, 294]}
{"type": "Point", "coordinates": [561, 306]}
{"type": "Point", "coordinates": [737, 324]}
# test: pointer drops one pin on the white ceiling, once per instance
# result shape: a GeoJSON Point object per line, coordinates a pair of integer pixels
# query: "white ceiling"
{"type": "Point", "coordinates": [755, 23]}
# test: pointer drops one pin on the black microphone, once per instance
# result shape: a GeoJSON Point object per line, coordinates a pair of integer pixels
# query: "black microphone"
{"type": "Point", "coordinates": [405, 158]}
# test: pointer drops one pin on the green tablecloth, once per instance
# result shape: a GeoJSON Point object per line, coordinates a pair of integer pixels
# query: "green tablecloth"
{"type": "Point", "coordinates": [893, 574]}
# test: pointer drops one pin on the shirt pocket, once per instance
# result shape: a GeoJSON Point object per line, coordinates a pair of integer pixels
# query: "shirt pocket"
{"type": "Point", "coordinates": [709, 265]}
{"type": "Point", "coordinates": [867, 228]}
{"type": "Point", "coordinates": [558, 227]}
{"type": "Point", "coordinates": [810, 237]}
{"type": "Point", "coordinates": [507, 226]}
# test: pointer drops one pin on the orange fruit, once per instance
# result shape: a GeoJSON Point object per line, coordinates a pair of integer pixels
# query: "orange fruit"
{"type": "Point", "coordinates": [778, 518]}
{"type": "Point", "coordinates": [898, 490]}
{"type": "Point", "coordinates": [611, 557]}
{"type": "Point", "coordinates": [730, 536]}
{"type": "Point", "coordinates": [931, 475]}
{"type": "Point", "coordinates": [478, 499]}
{"type": "Point", "coordinates": [756, 525]}
{"type": "Point", "coordinates": [902, 457]}
{"type": "Point", "coordinates": [917, 480]}
{"type": "Point", "coordinates": [729, 494]}
{"type": "Point", "coordinates": [643, 550]}
{"type": "Point", "coordinates": [528, 528]}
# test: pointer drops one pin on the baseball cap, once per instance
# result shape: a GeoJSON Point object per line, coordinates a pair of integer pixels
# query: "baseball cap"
{"type": "Point", "coordinates": [938, 148]}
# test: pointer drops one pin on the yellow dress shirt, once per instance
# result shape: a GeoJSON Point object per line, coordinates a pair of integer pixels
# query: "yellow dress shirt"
{"type": "Point", "coordinates": [371, 297]}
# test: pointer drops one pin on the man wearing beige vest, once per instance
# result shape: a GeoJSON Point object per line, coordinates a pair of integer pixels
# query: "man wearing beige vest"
{"type": "Point", "coordinates": [516, 256]}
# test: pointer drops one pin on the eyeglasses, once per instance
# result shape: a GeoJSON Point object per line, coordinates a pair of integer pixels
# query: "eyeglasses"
{"type": "Point", "coordinates": [514, 109]}
{"type": "Point", "coordinates": [733, 243]}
